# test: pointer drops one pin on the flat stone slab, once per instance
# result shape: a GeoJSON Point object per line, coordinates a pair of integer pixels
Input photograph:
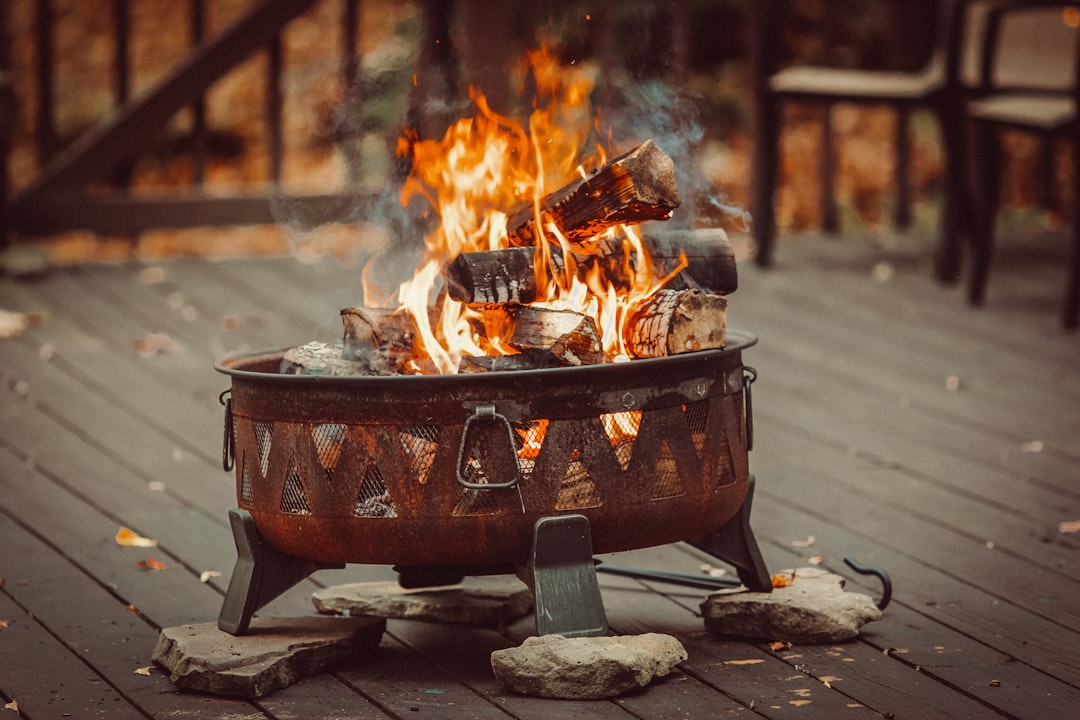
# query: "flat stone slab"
{"type": "Point", "coordinates": [275, 653]}
{"type": "Point", "coordinates": [488, 601]}
{"type": "Point", "coordinates": [586, 668]}
{"type": "Point", "coordinates": [814, 608]}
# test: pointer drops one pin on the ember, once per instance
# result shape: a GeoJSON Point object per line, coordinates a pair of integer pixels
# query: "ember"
{"type": "Point", "coordinates": [542, 277]}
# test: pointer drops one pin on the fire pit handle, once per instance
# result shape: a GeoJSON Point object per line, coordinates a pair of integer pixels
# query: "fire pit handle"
{"type": "Point", "coordinates": [488, 414]}
{"type": "Point", "coordinates": [749, 376]}
{"type": "Point", "coordinates": [886, 581]}
{"type": "Point", "coordinates": [228, 446]}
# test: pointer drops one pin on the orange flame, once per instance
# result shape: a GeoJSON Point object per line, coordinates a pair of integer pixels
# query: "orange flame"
{"type": "Point", "coordinates": [488, 165]}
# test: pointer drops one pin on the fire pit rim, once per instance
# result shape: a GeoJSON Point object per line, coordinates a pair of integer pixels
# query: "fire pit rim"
{"type": "Point", "coordinates": [738, 340]}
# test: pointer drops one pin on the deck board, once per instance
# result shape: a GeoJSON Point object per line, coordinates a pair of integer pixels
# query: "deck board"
{"type": "Point", "coordinates": [859, 443]}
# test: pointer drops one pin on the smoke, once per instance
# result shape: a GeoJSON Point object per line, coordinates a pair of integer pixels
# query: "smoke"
{"type": "Point", "coordinates": [655, 109]}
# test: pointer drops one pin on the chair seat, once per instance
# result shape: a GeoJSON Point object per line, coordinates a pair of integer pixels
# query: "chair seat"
{"type": "Point", "coordinates": [843, 83]}
{"type": "Point", "coordinates": [1041, 112]}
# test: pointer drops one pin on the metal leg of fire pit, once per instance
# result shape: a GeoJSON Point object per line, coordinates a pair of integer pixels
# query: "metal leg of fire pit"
{"type": "Point", "coordinates": [261, 574]}
{"type": "Point", "coordinates": [566, 593]}
{"type": "Point", "coordinates": [734, 543]}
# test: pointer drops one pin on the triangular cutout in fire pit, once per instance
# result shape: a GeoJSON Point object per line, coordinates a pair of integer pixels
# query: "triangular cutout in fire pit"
{"type": "Point", "coordinates": [293, 497]}
{"type": "Point", "coordinates": [247, 495]}
{"type": "Point", "coordinates": [264, 435]}
{"type": "Point", "coordinates": [578, 490]}
{"type": "Point", "coordinates": [374, 499]}
{"type": "Point", "coordinates": [668, 483]}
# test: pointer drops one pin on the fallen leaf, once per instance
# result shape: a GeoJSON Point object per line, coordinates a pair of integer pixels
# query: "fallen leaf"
{"type": "Point", "coordinates": [156, 486]}
{"type": "Point", "coordinates": [816, 560]}
{"type": "Point", "coordinates": [780, 580]}
{"type": "Point", "coordinates": [995, 683]}
{"type": "Point", "coordinates": [803, 543]}
{"type": "Point", "coordinates": [752, 661]}
{"type": "Point", "coordinates": [152, 344]}
{"type": "Point", "coordinates": [132, 609]}
{"type": "Point", "coordinates": [130, 538]}
{"type": "Point", "coordinates": [229, 323]}
{"type": "Point", "coordinates": [1034, 446]}
{"type": "Point", "coordinates": [206, 575]}
{"type": "Point", "coordinates": [713, 571]}
{"type": "Point", "coordinates": [952, 383]}
{"type": "Point", "coordinates": [1069, 528]}
{"type": "Point", "coordinates": [894, 651]}
{"type": "Point", "coordinates": [798, 703]}
{"type": "Point", "coordinates": [14, 706]}
{"type": "Point", "coordinates": [150, 564]}
{"type": "Point", "coordinates": [152, 276]}
{"type": "Point", "coordinates": [144, 670]}
{"type": "Point", "coordinates": [883, 272]}
{"type": "Point", "coordinates": [13, 324]}
{"type": "Point", "coordinates": [4, 624]}
{"type": "Point", "coordinates": [778, 646]}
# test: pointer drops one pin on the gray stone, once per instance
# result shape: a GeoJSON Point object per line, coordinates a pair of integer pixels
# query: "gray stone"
{"type": "Point", "coordinates": [814, 608]}
{"type": "Point", "coordinates": [275, 653]}
{"type": "Point", "coordinates": [586, 668]}
{"type": "Point", "coordinates": [487, 601]}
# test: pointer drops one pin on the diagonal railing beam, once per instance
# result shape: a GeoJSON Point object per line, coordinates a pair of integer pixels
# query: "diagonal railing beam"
{"type": "Point", "coordinates": [98, 150]}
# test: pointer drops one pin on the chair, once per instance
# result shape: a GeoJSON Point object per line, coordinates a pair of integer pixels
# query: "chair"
{"type": "Point", "coordinates": [936, 86]}
{"type": "Point", "coordinates": [1030, 71]}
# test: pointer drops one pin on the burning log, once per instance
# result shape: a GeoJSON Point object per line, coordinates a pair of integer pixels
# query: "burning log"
{"type": "Point", "coordinates": [630, 189]}
{"type": "Point", "coordinates": [509, 275]}
{"type": "Point", "coordinates": [379, 339]}
{"type": "Point", "coordinates": [567, 337]}
{"type": "Point", "coordinates": [508, 363]}
{"type": "Point", "coordinates": [318, 358]}
{"type": "Point", "coordinates": [709, 256]}
{"type": "Point", "coordinates": [493, 276]}
{"type": "Point", "coordinates": [671, 322]}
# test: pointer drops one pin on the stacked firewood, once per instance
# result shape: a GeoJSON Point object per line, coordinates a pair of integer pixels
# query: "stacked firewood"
{"type": "Point", "coordinates": [688, 313]}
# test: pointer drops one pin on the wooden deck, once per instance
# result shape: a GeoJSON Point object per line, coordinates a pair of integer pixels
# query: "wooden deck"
{"type": "Point", "coordinates": [893, 423]}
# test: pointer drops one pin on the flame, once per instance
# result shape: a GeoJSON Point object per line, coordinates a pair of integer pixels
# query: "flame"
{"type": "Point", "coordinates": [488, 165]}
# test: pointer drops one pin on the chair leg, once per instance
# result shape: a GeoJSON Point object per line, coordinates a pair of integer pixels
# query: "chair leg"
{"type": "Point", "coordinates": [902, 211]}
{"type": "Point", "coordinates": [763, 180]}
{"type": "Point", "coordinates": [956, 212]}
{"type": "Point", "coordinates": [829, 220]}
{"type": "Point", "coordinates": [1071, 317]}
{"type": "Point", "coordinates": [987, 191]}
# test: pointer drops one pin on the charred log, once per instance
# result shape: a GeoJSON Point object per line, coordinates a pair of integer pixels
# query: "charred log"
{"type": "Point", "coordinates": [672, 322]}
{"type": "Point", "coordinates": [630, 189]}
{"type": "Point", "coordinates": [570, 338]}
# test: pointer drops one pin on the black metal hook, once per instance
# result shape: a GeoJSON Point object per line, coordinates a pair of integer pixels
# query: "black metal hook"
{"type": "Point", "coordinates": [886, 581]}
{"type": "Point", "coordinates": [228, 444]}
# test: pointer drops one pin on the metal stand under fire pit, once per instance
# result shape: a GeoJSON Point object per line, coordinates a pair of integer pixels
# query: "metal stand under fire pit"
{"type": "Point", "coordinates": [561, 572]}
{"type": "Point", "coordinates": [528, 472]}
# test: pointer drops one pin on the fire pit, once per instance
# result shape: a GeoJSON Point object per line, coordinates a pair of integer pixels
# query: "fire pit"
{"type": "Point", "coordinates": [447, 475]}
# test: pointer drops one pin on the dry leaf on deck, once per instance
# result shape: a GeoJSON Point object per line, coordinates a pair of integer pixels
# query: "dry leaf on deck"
{"type": "Point", "coordinates": [13, 324]}
{"type": "Point", "coordinates": [144, 670]}
{"type": "Point", "coordinates": [1033, 446]}
{"type": "Point", "coordinates": [129, 538]}
{"type": "Point", "coordinates": [206, 575]}
{"type": "Point", "coordinates": [12, 706]}
{"type": "Point", "coordinates": [778, 646]}
{"type": "Point", "coordinates": [780, 580]}
{"type": "Point", "coordinates": [152, 276]}
{"type": "Point", "coordinates": [150, 564]}
{"type": "Point", "coordinates": [803, 543]}
{"type": "Point", "coordinates": [752, 661]}
{"type": "Point", "coordinates": [1069, 528]}
{"type": "Point", "coordinates": [153, 344]}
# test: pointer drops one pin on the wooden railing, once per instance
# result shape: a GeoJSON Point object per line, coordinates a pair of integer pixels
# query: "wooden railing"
{"type": "Point", "coordinates": [92, 181]}
{"type": "Point", "coordinates": [85, 185]}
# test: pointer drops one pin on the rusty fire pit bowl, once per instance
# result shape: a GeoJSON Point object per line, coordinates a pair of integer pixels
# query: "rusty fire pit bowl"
{"type": "Point", "coordinates": [456, 469]}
